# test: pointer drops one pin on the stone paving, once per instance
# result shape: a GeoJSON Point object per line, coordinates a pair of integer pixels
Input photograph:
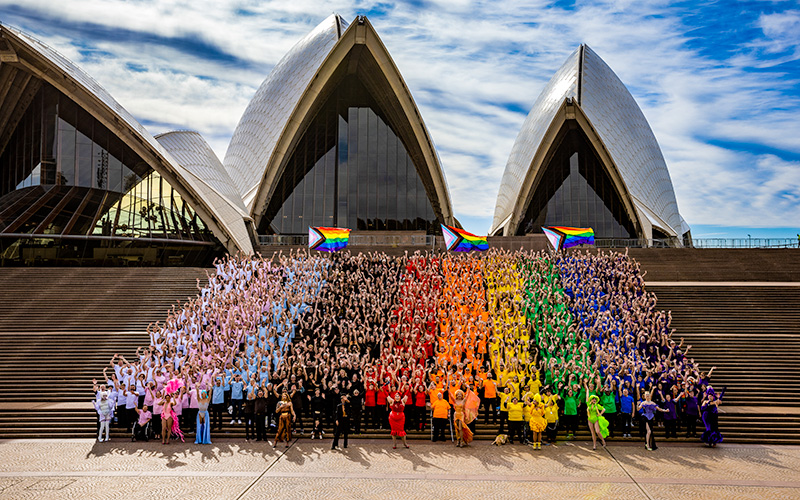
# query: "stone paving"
{"type": "Point", "coordinates": [84, 469]}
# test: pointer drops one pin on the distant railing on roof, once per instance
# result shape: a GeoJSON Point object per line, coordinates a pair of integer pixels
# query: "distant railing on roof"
{"type": "Point", "coordinates": [366, 240]}
{"type": "Point", "coordinates": [745, 242]}
{"type": "Point", "coordinates": [429, 240]}
{"type": "Point", "coordinates": [699, 243]}
{"type": "Point", "coordinates": [283, 239]}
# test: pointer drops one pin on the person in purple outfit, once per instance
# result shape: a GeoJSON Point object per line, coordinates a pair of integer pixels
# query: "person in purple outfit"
{"type": "Point", "coordinates": [670, 417]}
{"type": "Point", "coordinates": [648, 410]}
{"type": "Point", "coordinates": [692, 411]}
{"type": "Point", "coordinates": [710, 409]}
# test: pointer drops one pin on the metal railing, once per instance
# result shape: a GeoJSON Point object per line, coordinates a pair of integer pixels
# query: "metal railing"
{"type": "Point", "coordinates": [393, 240]}
{"type": "Point", "coordinates": [377, 240]}
{"type": "Point", "coordinates": [698, 243]}
{"type": "Point", "coordinates": [745, 242]}
{"type": "Point", "coordinates": [627, 243]}
{"type": "Point", "coordinates": [429, 240]}
{"type": "Point", "coordinates": [283, 239]}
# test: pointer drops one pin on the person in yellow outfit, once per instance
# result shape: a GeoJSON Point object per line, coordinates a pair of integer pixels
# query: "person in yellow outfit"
{"type": "Point", "coordinates": [514, 385]}
{"type": "Point", "coordinates": [515, 419]}
{"type": "Point", "coordinates": [537, 423]}
{"type": "Point", "coordinates": [526, 418]}
{"type": "Point", "coordinates": [550, 402]}
{"type": "Point", "coordinates": [533, 383]}
{"type": "Point", "coordinates": [504, 400]}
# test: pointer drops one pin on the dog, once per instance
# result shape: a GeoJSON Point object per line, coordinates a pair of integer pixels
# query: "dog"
{"type": "Point", "coordinates": [500, 440]}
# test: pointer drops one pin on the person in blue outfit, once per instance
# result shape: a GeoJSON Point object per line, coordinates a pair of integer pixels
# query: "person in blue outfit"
{"type": "Point", "coordinates": [218, 402]}
{"type": "Point", "coordinates": [237, 398]}
{"type": "Point", "coordinates": [626, 412]}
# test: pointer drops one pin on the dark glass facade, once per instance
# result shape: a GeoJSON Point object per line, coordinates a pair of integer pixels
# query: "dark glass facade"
{"type": "Point", "coordinates": [72, 190]}
{"type": "Point", "coordinates": [575, 190]}
{"type": "Point", "coordinates": [350, 169]}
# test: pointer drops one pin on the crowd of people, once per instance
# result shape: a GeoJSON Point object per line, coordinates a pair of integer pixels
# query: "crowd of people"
{"type": "Point", "coordinates": [343, 342]}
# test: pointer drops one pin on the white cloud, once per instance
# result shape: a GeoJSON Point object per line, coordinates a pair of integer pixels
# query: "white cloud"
{"type": "Point", "coordinates": [782, 30]}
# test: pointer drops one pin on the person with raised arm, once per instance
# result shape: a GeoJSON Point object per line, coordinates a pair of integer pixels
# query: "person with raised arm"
{"type": "Point", "coordinates": [140, 427]}
{"type": "Point", "coordinates": [598, 425]}
{"type": "Point", "coordinates": [648, 408]}
{"type": "Point", "coordinates": [203, 432]}
{"type": "Point", "coordinates": [105, 414]}
{"type": "Point", "coordinates": [710, 412]}
{"type": "Point", "coordinates": [285, 412]}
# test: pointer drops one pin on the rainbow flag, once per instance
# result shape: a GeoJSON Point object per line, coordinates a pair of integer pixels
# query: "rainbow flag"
{"type": "Point", "coordinates": [458, 240]}
{"type": "Point", "coordinates": [565, 237]}
{"type": "Point", "coordinates": [328, 239]}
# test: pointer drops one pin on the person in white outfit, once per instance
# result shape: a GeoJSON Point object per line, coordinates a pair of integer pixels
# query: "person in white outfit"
{"type": "Point", "coordinates": [105, 413]}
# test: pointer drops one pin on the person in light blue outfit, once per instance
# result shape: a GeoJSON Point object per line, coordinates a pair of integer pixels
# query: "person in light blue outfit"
{"type": "Point", "coordinates": [203, 434]}
{"type": "Point", "coordinates": [218, 402]}
{"type": "Point", "coordinates": [237, 398]}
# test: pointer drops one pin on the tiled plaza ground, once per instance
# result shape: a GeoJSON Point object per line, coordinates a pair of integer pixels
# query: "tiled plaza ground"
{"type": "Point", "coordinates": [83, 469]}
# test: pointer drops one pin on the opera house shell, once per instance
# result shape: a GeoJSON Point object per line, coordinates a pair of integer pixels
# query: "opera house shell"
{"type": "Point", "coordinates": [331, 138]}
{"type": "Point", "coordinates": [586, 157]}
{"type": "Point", "coordinates": [82, 180]}
{"type": "Point", "coordinates": [334, 138]}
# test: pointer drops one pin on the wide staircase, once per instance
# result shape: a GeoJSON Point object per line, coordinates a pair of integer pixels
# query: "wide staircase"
{"type": "Point", "coordinates": [60, 327]}
{"type": "Point", "coordinates": [752, 335]}
{"type": "Point", "coordinates": [719, 264]}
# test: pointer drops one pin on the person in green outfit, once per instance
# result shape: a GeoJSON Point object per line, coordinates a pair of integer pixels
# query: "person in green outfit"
{"type": "Point", "coordinates": [598, 425]}
{"type": "Point", "coordinates": [571, 413]}
{"type": "Point", "coordinates": [608, 403]}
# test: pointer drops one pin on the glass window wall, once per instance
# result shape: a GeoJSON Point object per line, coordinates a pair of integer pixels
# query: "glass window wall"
{"type": "Point", "coordinates": [576, 191]}
{"type": "Point", "coordinates": [64, 174]}
{"type": "Point", "coordinates": [350, 169]}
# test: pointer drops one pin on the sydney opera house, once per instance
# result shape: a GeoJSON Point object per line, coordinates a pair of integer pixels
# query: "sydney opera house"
{"type": "Point", "coordinates": [332, 137]}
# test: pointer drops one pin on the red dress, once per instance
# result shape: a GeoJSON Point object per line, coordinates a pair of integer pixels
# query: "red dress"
{"type": "Point", "coordinates": [397, 420]}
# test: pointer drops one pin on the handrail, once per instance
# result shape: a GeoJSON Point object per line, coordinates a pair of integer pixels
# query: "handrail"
{"type": "Point", "coordinates": [746, 242]}
{"type": "Point", "coordinates": [377, 240]}
{"type": "Point", "coordinates": [429, 240]}
{"type": "Point", "coordinates": [699, 243]}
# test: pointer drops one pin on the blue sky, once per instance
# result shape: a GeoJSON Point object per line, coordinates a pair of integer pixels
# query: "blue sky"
{"type": "Point", "coordinates": [719, 81]}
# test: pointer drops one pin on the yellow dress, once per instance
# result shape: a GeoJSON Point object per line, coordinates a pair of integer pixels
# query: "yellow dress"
{"type": "Point", "coordinates": [537, 422]}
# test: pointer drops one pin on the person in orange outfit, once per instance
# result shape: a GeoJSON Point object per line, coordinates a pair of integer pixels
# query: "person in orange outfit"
{"type": "Point", "coordinates": [463, 433]}
{"type": "Point", "coordinates": [440, 409]}
{"type": "Point", "coordinates": [489, 399]}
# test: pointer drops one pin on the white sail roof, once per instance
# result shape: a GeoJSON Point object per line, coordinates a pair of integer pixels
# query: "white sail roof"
{"type": "Point", "coordinates": [227, 222]}
{"type": "Point", "coordinates": [263, 121]}
{"type": "Point", "coordinates": [621, 126]}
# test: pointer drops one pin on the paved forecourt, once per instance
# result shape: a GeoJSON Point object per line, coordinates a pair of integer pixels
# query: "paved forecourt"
{"type": "Point", "coordinates": [82, 468]}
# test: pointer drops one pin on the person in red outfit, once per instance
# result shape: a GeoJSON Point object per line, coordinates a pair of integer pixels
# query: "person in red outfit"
{"type": "Point", "coordinates": [397, 420]}
{"type": "Point", "coordinates": [421, 398]}
{"type": "Point", "coordinates": [380, 408]}
{"type": "Point", "coordinates": [370, 405]}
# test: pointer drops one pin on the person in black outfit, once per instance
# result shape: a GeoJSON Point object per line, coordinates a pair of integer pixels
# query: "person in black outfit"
{"type": "Point", "coordinates": [272, 402]}
{"type": "Point", "coordinates": [250, 416]}
{"type": "Point", "coordinates": [260, 410]}
{"type": "Point", "coordinates": [317, 407]}
{"type": "Point", "coordinates": [333, 397]}
{"type": "Point", "coordinates": [342, 422]}
{"type": "Point", "coordinates": [296, 392]}
{"type": "Point", "coordinates": [357, 400]}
